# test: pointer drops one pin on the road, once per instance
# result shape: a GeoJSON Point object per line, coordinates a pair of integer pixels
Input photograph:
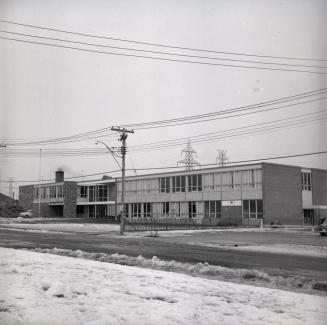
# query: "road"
{"type": "Point", "coordinates": [272, 263]}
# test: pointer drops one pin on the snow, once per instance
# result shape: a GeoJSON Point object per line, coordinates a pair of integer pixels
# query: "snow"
{"type": "Point", "coordinates": [50, 289]}
{"type": "Point", "coordinates": [253, 276]}
{"type": "Point", "coordinates": [67, 227]}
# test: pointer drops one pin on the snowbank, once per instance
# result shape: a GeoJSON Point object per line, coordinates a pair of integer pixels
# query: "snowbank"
{"type": "Point", "coordinates": [48, 289]}
{"type": "Point", "coordinates": [256, 277]}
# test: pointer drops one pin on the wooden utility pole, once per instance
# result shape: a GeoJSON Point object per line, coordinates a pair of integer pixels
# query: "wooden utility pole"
{"type": "Point", "coordinates": [123, 136]}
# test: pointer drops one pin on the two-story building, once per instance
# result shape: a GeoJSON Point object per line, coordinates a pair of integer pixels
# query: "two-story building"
{"type": "Point", "coordinates": [236, 195]}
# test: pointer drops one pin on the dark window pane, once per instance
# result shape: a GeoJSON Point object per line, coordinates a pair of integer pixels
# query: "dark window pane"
{"type": "Point", "coordinates": [183, 184]}
{"type": "Point", "coordinates": [206, 209]}
{"type": "Point", "coordinates": [259, 206]}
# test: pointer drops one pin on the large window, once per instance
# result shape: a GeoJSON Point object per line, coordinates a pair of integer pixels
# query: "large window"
{"type": "Point", "coordinates": [178, 184]}
{"type": "Point", "coordinates": [194, 183]}
{"type": "Point", "coordinates": [252, 209]}
{"type": "Point", "coordinates": [43, 192]}
{"type": "Point", "coordinates": [98, 193]}
{"type": "Point", "coordinates": [60, 191]}
{"type": "Point", "coordinates": [165, 208]}
{"type": "Point", "coordinates": [306, 181]}
{"type": "Point", "coordinates": [212, 209]}
{"type": "Point", "coordinates": [102, 193]}
{"type": "Point", "coordinates": [164, 185]}
{"type": "Point", "coordinates": [227, 181]}
{"type": "Point", "coordinates": [136, 210]}
{"type": "Point", "coordinates": [83, 191]}
{"type": "Point", "coordinates": [147, 210]}
{"type": "Point", "coordinates": [176, 209]}
{"type": "Point", "coordinates": [192, 209]}
{"type": "Point", "coordinates": [52, 192]}
{"type": "Point", "coordinates": [208, 180]}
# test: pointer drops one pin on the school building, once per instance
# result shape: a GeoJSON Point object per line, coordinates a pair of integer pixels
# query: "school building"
{"type": "Point", "coordinates": [231, 195]}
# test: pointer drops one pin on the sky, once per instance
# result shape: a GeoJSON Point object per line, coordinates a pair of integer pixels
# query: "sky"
{"type": "Point", "coordinates": [50, 92]}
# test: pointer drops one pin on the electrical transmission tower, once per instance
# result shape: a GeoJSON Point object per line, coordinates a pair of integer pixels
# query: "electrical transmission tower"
{"type": "Point", "coordinates": [222, 158]}
{"type": "Point", "coordinates": [188, 161]}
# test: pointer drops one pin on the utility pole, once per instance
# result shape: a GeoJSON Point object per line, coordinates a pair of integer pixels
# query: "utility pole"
{"type": "Point", "coordinates": [123, 136]}
{"type": "Point", "coordinates": [39, 192]}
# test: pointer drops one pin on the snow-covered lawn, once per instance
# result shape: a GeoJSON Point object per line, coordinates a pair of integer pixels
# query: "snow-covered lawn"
{"type": "Point", "coordinates": [67, 227]}
{"type": "Point", "coordinates": [41, 288]}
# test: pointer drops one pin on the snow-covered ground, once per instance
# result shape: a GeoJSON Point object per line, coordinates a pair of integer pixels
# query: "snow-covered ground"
{"type": "Point", "coordinates": [66, 227]}
{"type": "Point", "coordinates": [49, 289]}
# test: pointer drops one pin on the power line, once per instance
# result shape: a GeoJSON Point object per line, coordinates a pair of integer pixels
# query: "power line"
{"type": "Point", "coordinates": [162, 53]}
{"type": "Point", "coordinates": [178, 167]}
{"type": "Point", "coordinates": [161, 58]}
{"type": "Point", "coordinates": [152, 124]}
{"type": "Point", "coordinates": [293, 121]}
{"type": "Point", "coordinates": [159, 45]}
{"type": "Point", "coordinates": [223, 131]}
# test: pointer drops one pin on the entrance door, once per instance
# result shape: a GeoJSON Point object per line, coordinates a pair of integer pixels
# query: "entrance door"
{"type": "Point", "coordinates": [308, 216]}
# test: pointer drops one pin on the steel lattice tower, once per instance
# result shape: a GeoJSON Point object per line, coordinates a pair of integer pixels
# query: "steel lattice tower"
{"type": "Point", "coordinates": [188, 161]}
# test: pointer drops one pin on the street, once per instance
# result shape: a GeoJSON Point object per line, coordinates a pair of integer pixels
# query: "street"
{"type": "Point", "coordinates": [167, 248]}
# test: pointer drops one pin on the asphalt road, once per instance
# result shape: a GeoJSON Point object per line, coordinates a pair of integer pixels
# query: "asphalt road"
{"type": "Point", "coordinates": [272, 263]}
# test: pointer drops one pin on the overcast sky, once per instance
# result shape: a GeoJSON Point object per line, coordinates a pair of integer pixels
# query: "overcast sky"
{"type": "Point", "coordinates": [48, 92]}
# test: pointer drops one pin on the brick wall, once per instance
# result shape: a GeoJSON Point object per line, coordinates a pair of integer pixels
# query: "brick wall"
{"type": "Point", "coordinates": [282, 194]}
{"type": "Point", "coordinates": [26, 197]}
{"type": "Point", "coordinates": [70, 197]}
{"type": "Point", "coordinates": [319, 187]}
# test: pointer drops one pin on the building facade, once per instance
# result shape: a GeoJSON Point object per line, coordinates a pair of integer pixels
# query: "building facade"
{"type": "Point", "coordinates": [232, 195]}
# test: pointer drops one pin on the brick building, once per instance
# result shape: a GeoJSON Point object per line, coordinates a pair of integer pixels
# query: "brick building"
{"type": "Point", "coordinates": [236, 195]}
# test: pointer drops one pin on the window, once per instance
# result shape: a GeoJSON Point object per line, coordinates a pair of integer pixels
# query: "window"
{"type": "Point", "coordinates": [102, 193]}
{"type": "Point", "coordinates": [258, 178]}
{"type": "Point", "coordinates": [212, 209]}
{"type": "Point", "coordinates": [208, 182]}
{"type": "Point", "coordinates": [227, 181]}
{"type": "Point", "coordinates": [165, 208]}
{"type": "Point", "coordinates": [194, 183]}
{"type": "Point", "coordinates": [136, 210]}
{"type": "Point", "coordinates": [248, 178]}
{"type": "Point", "coordinates": [43, 192]}
{"type": "Point", "coordinates": [83, 191]}
{"type": "Point", "coordinates": [192, 209]}
{"type": "Point", "coordinates": [306, 181]}
{"type": "Point", "coordinates": [36, 193]}
{"type": "Point", "coordinates": [52, 192]}
{"type": "Point", "coordinates": [252, 209]}
{"type": "Point", "coordinates": [178, 184]}
{"type": "Point", "coordinates": [237, 180]}
{"type": "Point", "coordinates": [60, 191]}
{"type": "Point", "coordinates": [147, 210]}
{"type": "Point", "coordinates": [164, 185]}
{"type": "Point", "coordinates": [80, 209]}
{"type": "Point", "coordinates": [92, 193]}
{"type": "Point", "coordinates": [126, 210]}
{"type": "Point", "coordinates": [176, 209]}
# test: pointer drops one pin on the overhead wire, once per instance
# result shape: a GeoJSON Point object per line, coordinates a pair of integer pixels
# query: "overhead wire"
{"type": "Point", "coordinates": [288, 122]}
{"type": "Point", "coordinates": [184, 120]}
{"type": "Point", "coordinates": [181, 167]}
{"type": "Point", "coordinates": [154, 58]}
{"type": "Point", "coordinates": [157, 44]}
{"type": "Point", "coordinates": [162, 53]}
